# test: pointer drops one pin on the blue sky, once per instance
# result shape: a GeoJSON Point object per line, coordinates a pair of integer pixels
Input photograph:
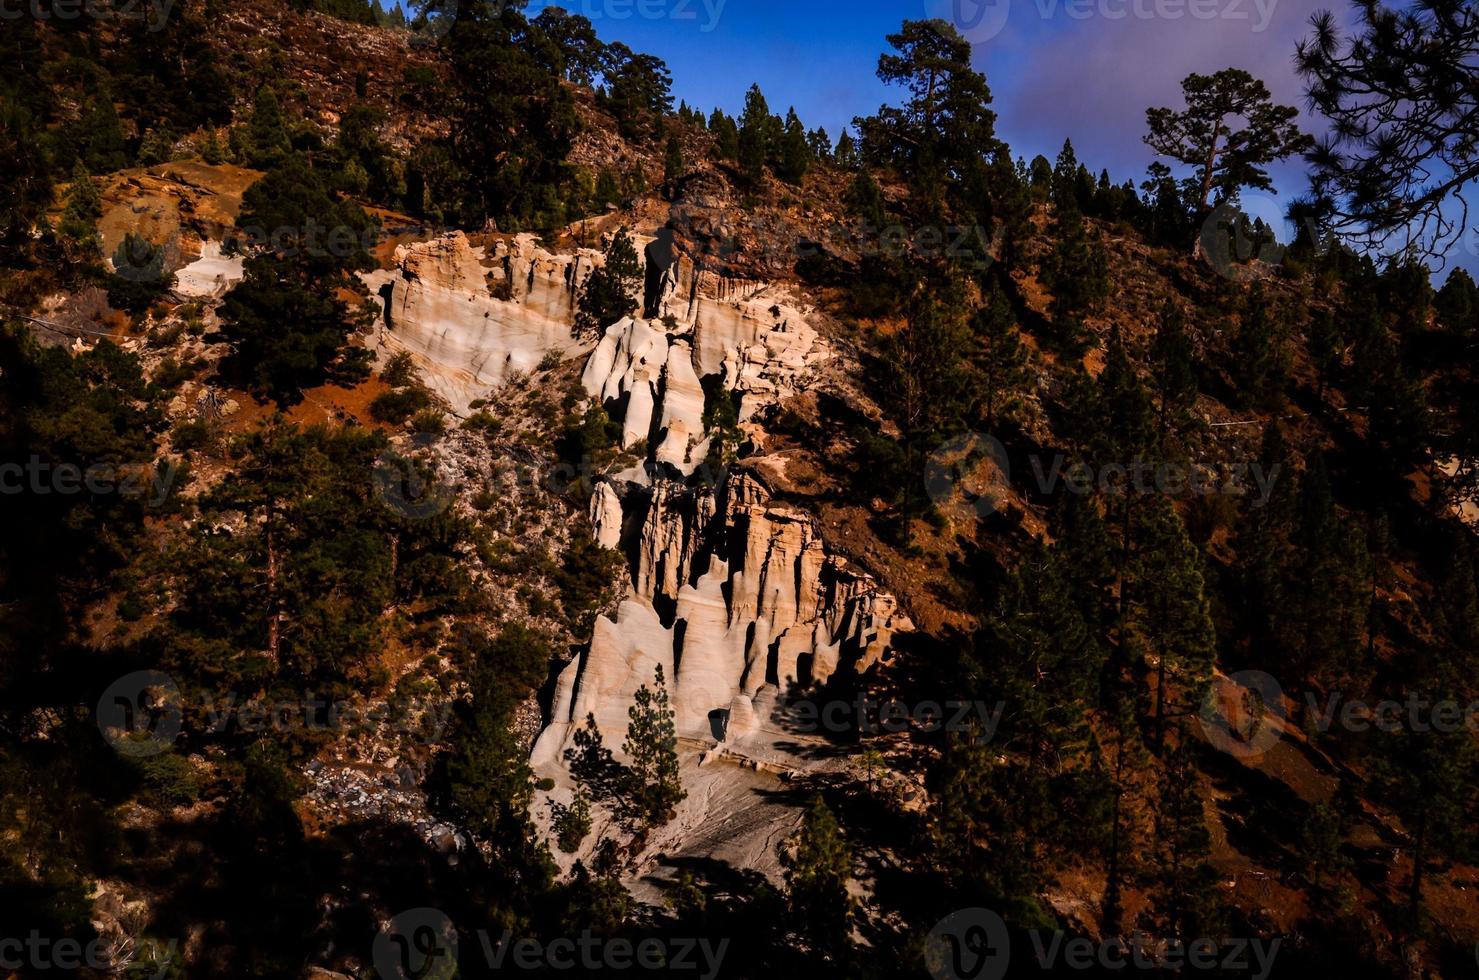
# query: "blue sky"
{"type": "Point", "coordinates": [1081, 69]}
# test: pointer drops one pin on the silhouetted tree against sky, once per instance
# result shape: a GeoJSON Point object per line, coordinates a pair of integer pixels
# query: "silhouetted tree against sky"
{"type": "Point", "coordinates": [1400, 95]}
{"type": "Point", "coordinates": [1229, 131]}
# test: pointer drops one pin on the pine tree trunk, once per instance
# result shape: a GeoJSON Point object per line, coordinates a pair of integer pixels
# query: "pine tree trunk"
{"type": "Point", "coordinates": [274, 607]}
{"type": "Point", "coordinates": [1112, 884]}
{"type": "Point", "coordinates": [1160, 702]}
{"type": "Point", "coordinates": [1415, 889]}
{"type": "Point", "coordinates": [1207, 168]}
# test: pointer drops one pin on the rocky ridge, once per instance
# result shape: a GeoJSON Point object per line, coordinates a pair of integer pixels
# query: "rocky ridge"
{"type": "Point", "coordinates": [732, 593]}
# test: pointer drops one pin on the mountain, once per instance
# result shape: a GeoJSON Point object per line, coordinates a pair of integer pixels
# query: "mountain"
{"type": "Point", "coordinates": [460, 499]}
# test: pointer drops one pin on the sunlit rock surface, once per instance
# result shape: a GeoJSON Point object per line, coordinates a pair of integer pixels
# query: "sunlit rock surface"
{"type": "Point", "coordinates": [736, 598]}
{"type": "Point", "coordinates": [471, 320]}
{"type": "Point", "coordinates": [210, 276]}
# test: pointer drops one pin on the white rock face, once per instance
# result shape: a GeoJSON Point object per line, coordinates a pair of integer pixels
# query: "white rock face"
{"type": "Point", "coordinates": [471, 320]}
{"type": "Point", "coordinates": [755, 605]}
{"type": "Point", "coordinates": [649, 374]}
{"type": "Point", "coordinates": [210, 276]}
{"type": "Point", "coordinates": [734, 596]}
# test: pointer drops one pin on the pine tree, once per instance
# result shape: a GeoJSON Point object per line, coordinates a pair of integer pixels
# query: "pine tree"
{"type": "Point", "coordinates": [635, 184]}
{"type": "Point", "coordinates": [156, 147]}
{"type": "Point", "coordinates": [817, 867]}
{"type": "Point", "coordinates": [1265, 543]}
{"type": "Point", "coordinates": [726, 136]}
{"type": "Point", "coordinates": [83, 209]}
{"type": "Point", "coordinates": [1455, 618]}
{"type": "Point", "coordinates": [672, 167]}
{"type": "Point", "coordinates": [489, 786]}
{"type": "Point", "coordinates": [513, 121]}
{"type": "Point", "coordinates": [1188, 882]}
{"type": "Point", "coordinates": [1206, 136]}
{"type": "Point", "coordinates": [1321, 836]}
{"type": "Point", "coordinates": [26, 191]}
{"type": "Point", "coordinates": [924, 380]}
{"type": "Point", "coordinates": [1113, 420]}
{"type": "Point", "coordinates": [1064, 185]}
{"type": "Point", "coordinates": [1327, 349]}
{"type": "Point", "coordinates": [1124, 763]}
{"type": "Point", "coordinates": [266, 133]}
{"type": "Point", "coordinates": [607, 190]}
{"type": "Point", "coordinates": [1428, 777]}
{"type": "Point", "coordinates": [1038, 655]}
{"type": "Point", "coordinates": [820, 145]}
{"type": "Point", "coordinates": [1002, 361]}
{"type": "Point", "coordinates": [1078, 274]}
{"type": "Point", "coordinates": [610, 290]}
{"type": "Point", "coordinates": [1040, 175]}
{"type": "Point", "coordinates": [1174, 366]}
{"type": "Point", "coordinates": [287, 323]}
{"type": "Point", "coordinates": [100, 135]}
{"type": "Point", "coordinates": [600, 776]}
{"type": "Point", "coordinates": [1122, 427]}
{"type": "Point", "coordinates": [944, 130]}
{"type": "Point", "coordinates": [754, 136]}
{"type": "Point", "coordinates": [1328, 602]}
{"type": "Point", "coordinates": [1457, 303]}
{"type": "Point", "coordinates": [795, 153]}
{"type": "Point", "coordinates": [572, 823]}
{"type": "Point", "coordinates": [652, 745]}
{"type": "Point", "coordinates": [139, 277]}
{"type": "Point", "coordinates": [210, 148]}
{"type": "Point", "coordinates": [1090, 560]}
{"type": "Point", "coordinates": [1170, 613]}
{"type": "Point", "coordinates": [1260, 360]}
{"type": "Point", "coordinates": [865, 199]}
{"type": "Point", "coordinates": [846, 154]}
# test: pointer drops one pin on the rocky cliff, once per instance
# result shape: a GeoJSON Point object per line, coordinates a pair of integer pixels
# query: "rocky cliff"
{"type": "Point", "coordinates": [734, 594]}
{"type": "Point", "coordinates": [472, 317]}
{"type": "Point", "coordinates": [735, 597]}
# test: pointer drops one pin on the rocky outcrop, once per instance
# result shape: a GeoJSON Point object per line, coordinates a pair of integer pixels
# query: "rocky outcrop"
{"type": "Point", "coordinates": [470, 319]}
{"type": "Point", "coordinates": [648, 373]}
{"type": "Point", "coordinates": [212, 275]}
{"type": "Point", "coordinates": [739, 602]}
{"type": "Point", "coordinates": [733, 595]}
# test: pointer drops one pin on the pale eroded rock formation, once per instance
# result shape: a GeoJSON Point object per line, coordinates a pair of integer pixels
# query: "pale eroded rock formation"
{"type": "Point", "coordinates": [470, 319]}
{"type": "Point", "coordinates": [739, 601]}
{"type": "Point", "coordinates": [733, 594]}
